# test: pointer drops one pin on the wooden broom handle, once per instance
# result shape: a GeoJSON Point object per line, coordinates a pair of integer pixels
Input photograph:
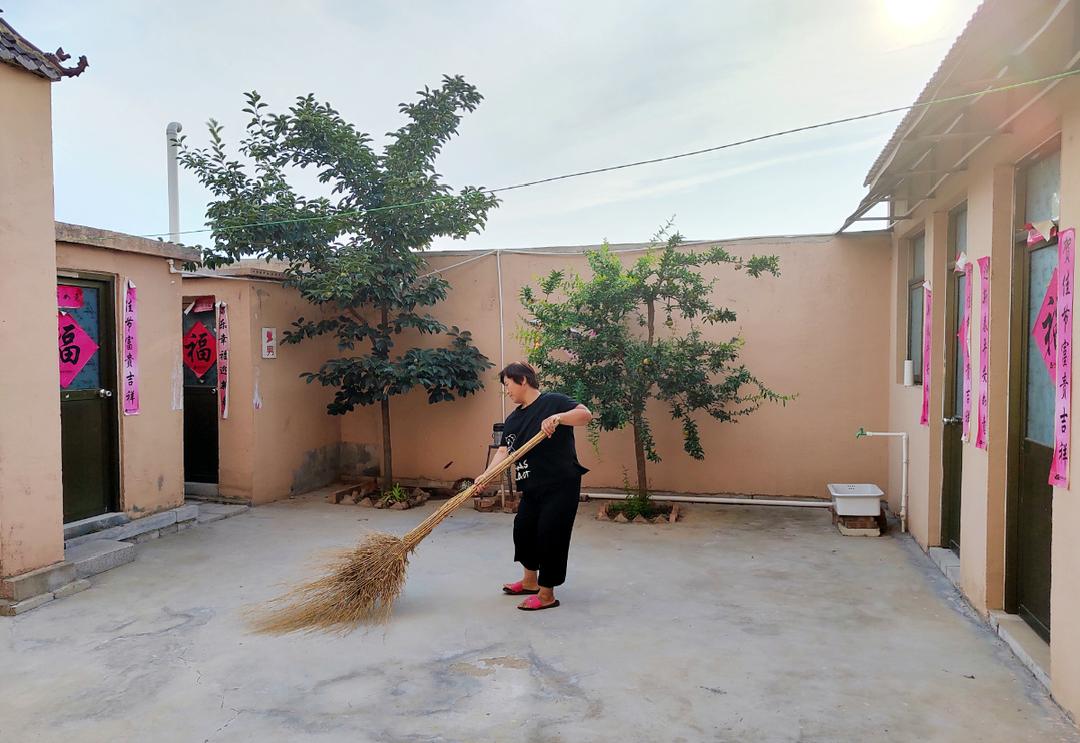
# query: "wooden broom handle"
{"type": "Point", "coordinates": [425, 527]}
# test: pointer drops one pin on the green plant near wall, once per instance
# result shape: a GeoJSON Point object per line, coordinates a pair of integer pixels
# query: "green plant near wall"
{"type": "Point", "coordinates": [633, 333]}
{"type": "Point", "coordinates": [395, 494]}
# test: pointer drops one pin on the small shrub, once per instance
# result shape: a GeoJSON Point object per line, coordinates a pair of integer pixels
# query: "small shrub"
{"type": "Point", "coordinates": [396, 494]}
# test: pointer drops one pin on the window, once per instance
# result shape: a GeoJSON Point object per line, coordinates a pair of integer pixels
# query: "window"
{"type": "Point", "coordinates": [916, 253]}
{"type": "Point", "coordinates": [1043, 189]}
{"type": "Point", "coordinates": [1041, 183]}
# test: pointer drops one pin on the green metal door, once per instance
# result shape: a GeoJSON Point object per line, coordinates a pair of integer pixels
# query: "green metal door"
{"type": "Point", "coordinates": [952, 443]}
{"type": "Point", "coordinates": [1031, 507]}
{"type": "Point", "coordinates": [88, 401]}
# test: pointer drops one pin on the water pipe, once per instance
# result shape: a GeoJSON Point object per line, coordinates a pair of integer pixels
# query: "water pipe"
{"type": "Point", "coordinates": [903, 472]}
{"type": "Point", "coordinates": [732, 501]}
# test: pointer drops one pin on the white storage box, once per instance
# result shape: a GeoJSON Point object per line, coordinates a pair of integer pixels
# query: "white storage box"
{"type": "Point", "coordinates": [856, 500]}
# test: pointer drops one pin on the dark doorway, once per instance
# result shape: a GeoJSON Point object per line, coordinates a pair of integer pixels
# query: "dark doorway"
{"type": "Point", "coordinates": [200, 392]}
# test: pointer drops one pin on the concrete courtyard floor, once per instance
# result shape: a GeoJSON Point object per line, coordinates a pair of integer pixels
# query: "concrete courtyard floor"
{"type": "Point", "coordinates": [737, 624]}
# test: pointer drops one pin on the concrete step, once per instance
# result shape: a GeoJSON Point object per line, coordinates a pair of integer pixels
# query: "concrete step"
{"type": "Point", "coordinates": [200, 489]}
{"type": "Point", "coordinates": [948, 563]}
{"type": "Point", "coordinates": [133, 529]}
{"type": "Point", "coordinates": [94, 523]}
{"type": "Point", "coordinates": [99, 555]}
{"type": "Point", "coordinates": [210, 512]}
{"type": "Point", "coordinates": [1027, 646]}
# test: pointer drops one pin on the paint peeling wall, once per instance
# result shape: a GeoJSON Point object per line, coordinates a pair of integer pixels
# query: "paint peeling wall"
{"type": "Point", "coordinates": [31, 505]}
{"type": "Point", "coordinates": [297, 441]}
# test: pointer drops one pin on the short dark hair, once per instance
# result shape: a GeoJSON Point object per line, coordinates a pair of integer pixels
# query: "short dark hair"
{"type": "Point", "coordinates": [521, 373]}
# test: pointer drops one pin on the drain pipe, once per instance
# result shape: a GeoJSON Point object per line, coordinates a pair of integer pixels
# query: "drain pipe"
{"type": "Point", "coordinates": [172, 131]}
{"type": "Point", "coordinates": [903, 471]}
{"type": "Point", "coordinates": [502, 328]}
{"type": "Point", "coordinates": [722, 501]}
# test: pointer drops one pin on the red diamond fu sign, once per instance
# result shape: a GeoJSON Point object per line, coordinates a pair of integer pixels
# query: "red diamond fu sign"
{"type": "Point", "coordinates": [200, 350]}
{"type": "Point", "coordinates": [76, 348]}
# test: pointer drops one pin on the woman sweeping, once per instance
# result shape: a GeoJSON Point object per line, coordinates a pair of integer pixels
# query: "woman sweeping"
{"type": "Point", "coordinates": [549, 479]}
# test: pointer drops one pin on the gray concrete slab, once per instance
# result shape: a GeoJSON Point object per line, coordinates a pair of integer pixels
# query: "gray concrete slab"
{"type": "Point", "coordinates": [99, 555]}
{"type": "Point", "coordinates": [94, 523]}
{"type": "Point", "coordinates": [737, 624]}
{"type": "Point", "coordinates": [211, 512]}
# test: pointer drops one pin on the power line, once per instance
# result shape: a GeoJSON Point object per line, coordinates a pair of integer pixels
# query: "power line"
{"type": "Point", "coordinates": [638, 163]}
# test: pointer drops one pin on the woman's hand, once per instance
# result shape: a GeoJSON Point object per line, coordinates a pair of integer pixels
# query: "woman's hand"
{"type": "Point", "coordinates": [549, 425]}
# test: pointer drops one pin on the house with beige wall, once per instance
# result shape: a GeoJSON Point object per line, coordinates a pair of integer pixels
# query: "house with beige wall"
{"type": "Point", "coordinates": [276, 439]}
{"type": "Point", "coordinates": [994, 178]}
{"type": "Point", "coordinates": [92, 422]}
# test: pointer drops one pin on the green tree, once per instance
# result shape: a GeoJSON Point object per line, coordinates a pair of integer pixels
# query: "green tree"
{"type": "Point", "coordinates": [353, 250]}
{"type": "Point", "coordinates": [598, 340]}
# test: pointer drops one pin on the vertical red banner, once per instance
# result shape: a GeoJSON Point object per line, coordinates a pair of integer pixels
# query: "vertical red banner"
{"type": "Point", "coordinates": [927, 334]}
{"type": "Point", "coordinates": [964, 338]}
{"type": "Point", "coordinates": [981, 436]}
{"type": "Point", "coordinates": [129, 358]}
{"type": "Point", "coordinates": [1059, 466]}
{"type": "Point", "coordinates": [223, 358]}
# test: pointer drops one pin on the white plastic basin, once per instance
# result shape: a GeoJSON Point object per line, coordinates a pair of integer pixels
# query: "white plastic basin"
{"type": "Point", "coordinates": [861, 499]}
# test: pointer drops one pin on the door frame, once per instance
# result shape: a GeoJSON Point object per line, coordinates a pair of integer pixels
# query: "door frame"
{"type": "Point", "coordinates": [953, 300]}
{"type": "Point", "coordinates": [108, 348]}
{"type": "Point", "coordinates": [193, 487]}
{"type": "Point", "coordinates": [1017, 388]}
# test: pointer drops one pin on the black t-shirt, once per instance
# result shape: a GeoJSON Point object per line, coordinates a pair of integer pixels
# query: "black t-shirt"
{"type": "Point", "coordinates": [551, 460]}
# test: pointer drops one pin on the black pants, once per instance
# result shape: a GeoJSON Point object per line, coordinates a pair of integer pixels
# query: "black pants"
{"type": "Point", "coordinates": [542, 528]}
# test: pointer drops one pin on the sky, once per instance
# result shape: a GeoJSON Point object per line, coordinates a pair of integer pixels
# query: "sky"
{"type": "Point", "coordinates": [567, 86]}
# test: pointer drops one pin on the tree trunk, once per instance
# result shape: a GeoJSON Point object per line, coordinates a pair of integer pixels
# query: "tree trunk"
{"type": "Point", "coordinates": [639, 443]}
{"type": "Point", "coordinates": [387, 449]}
{"type": "Point", "coordinates": [639, 455]}
{"type": "Point", "coordinates": [387, 444]}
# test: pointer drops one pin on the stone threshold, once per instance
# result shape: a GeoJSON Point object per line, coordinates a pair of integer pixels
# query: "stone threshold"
{"type": "Point", "coordinates": [95, 545]}
{"type": "Point", "coordinates": [141, 530]}
{"type": "Point", "coordinates": [1030, 649]}
{"type": "Point", "coordinates": [1027, 646]}
{"type": "Point", "coordinates": [948, 563]}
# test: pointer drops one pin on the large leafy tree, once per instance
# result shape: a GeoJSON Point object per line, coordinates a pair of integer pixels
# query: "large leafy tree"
{"type": "Point", "coordinates": [354, 247]}
{"type": "Point", "coordinates": [629, 334]}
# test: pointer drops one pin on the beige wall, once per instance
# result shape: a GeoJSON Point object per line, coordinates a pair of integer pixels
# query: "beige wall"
{"type": "Point", "coordinates": [987, 187]}
{"type": "Point", "coordinates": [31, 506]}
{"type": "Point", "coordinates": [289, 444]}
{"type": "Point", "coordinates": [820, 330]}
{"type": "Point", "coordinates": [1065, 593]}
{"type": "Point", "coordinates": [296, 440]}
{"type": "Point", "coordinates": [151, 443]}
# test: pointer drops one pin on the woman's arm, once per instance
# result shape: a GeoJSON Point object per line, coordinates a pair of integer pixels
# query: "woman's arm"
{"type": "Point", "coordinates": [579, 416]}
{"type": "Point", "coordinates": [500, 455]}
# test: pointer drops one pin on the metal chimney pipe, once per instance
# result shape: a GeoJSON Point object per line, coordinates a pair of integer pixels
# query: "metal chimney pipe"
{"type": "Point", "coordinates": [171, 132]}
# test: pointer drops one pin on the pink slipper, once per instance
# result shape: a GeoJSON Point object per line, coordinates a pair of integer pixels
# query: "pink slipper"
{"type": "Point", "coordinates": [533, 604]}
{"type": "Point", "coordinates": [518, 589]}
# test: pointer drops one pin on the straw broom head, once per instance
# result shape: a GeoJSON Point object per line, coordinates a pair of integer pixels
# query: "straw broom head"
{"type": "Point", "coordinates": [359, 586]}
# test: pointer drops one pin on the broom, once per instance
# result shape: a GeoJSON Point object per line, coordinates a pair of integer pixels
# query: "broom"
{"type": "Point", "coordinates": [360, 584]}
